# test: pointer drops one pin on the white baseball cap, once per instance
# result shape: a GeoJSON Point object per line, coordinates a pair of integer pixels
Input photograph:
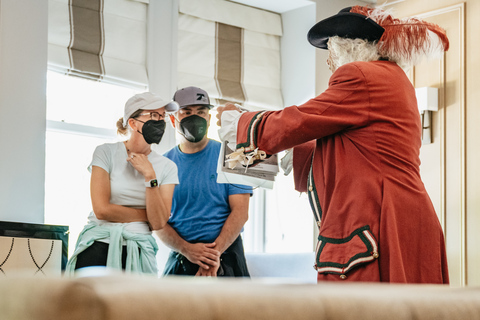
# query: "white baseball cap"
{"type": "Point", "coordinates": [147, 101]}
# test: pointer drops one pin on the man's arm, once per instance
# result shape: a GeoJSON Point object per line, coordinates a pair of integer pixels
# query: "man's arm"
{"type": "Point", "coordinates": [203, 254]}
{"type": "Point", "coordinates": [235, 221]}
{"type": "Point", "coordinates": [232, 227]}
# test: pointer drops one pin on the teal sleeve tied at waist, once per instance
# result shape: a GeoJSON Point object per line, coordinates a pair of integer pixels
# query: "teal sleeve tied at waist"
{"type": "Point", "coordinates": [137, 262]}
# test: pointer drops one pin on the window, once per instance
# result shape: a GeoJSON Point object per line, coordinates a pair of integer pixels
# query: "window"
{"type": "Point", "coordinates": [289, 221]}
{"type": "Point", "coordinates": [85, 102]}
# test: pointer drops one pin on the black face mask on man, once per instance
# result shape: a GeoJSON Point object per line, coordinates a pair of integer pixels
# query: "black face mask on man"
{"type": "Point", "coordinates": [152, 131]}
{"type": "Point", "coordinates": [193, 128]}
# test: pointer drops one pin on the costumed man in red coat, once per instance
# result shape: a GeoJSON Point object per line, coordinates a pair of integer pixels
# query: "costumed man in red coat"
{"type": "Point", "coordinates": [356, 150]}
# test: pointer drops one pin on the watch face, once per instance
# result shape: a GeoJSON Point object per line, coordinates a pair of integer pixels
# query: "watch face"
{"type": "Point", "coordinates": [154, 183]}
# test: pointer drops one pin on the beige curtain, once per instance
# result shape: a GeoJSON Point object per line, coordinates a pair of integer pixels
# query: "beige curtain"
{"type": "Point", "coordinates": [231, 51]}
{"type": "Point", "coordinates": [103, 40]}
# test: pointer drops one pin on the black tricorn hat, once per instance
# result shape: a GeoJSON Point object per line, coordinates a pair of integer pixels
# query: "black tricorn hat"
{"type": "Point", "coordinates": [344, 24]}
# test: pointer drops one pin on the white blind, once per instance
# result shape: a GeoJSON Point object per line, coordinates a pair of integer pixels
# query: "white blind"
{"type": "Point", "coordinates": [104, 40]}
{"type": "Point", "coordinates": [231, 51]}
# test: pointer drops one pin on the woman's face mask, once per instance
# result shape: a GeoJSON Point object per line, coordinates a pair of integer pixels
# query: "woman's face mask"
{"type": "Point", "coordinates": [193, 128]}
{"type": "Point", "coordinates": [153, 131]}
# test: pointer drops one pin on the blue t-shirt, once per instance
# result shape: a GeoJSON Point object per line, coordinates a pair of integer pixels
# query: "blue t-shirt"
{"type": "Point", "coordinates": [200, 204]}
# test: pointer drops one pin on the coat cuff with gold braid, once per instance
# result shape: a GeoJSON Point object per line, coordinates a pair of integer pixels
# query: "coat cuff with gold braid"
{"type": "Point", "coordinates": [247, 153]}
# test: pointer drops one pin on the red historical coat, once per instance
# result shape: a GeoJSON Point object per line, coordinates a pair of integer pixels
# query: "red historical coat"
{"type": "Point", "coordinates": [356, 153]}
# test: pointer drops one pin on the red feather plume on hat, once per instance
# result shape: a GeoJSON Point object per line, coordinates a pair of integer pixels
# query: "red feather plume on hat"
{"type": "Point", "coordinates": [407, 40]}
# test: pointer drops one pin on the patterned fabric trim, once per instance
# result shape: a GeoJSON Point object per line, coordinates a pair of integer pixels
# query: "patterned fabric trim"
{"type": "Point", "coordinates": [313, 197]}
{"type": "Point", "coordinates": [370, 254]}
{"type": "Point", "coordinates": [251, 143]}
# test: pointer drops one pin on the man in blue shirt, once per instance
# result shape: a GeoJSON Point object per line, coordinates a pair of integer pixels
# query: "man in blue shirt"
{"type": "Point", "coordinates": [207, 217]}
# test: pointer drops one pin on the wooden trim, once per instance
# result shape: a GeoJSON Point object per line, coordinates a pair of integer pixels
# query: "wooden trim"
{"type": "Point", "coordinates": [460, 10]}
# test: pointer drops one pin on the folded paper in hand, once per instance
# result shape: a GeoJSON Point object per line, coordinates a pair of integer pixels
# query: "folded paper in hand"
{"type": "Point", "coordinates": [258, 175]}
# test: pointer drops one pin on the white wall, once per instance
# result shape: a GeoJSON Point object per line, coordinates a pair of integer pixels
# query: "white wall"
{"type": "Point", "coordinates": [298, 56]}
{"type": "Point", "coordinates": [23, 66]}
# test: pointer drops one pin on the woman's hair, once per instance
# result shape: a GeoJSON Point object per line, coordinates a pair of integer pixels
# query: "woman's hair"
{"type": "Point", "coordinates": [123, 130]}
{"type": "Point", "coordinates": [343, 50]}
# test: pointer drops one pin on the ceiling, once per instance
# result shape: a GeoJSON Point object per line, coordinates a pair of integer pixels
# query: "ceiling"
{"type": "Point", "coordinates": [278, 6]}
{"type": "Point", "coordinates": [281, 6]}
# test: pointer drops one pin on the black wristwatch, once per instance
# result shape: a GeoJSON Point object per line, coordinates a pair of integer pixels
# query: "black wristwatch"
{"type": "Point", "coordinates": [151, 184]}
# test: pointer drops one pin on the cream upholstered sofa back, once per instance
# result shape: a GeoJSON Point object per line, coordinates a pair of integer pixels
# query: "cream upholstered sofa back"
{"type": "Point", "coordinates": [140, 297]}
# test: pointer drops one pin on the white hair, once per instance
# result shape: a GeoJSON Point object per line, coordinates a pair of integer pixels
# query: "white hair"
{"type": "Point", "coordinates": [343, 51]}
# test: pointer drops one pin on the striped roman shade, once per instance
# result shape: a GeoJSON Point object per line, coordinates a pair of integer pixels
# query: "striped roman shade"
{"type": "Point", "coordinates": [103, 40]}
{"type": "Point", "coordinates": [231, 51]}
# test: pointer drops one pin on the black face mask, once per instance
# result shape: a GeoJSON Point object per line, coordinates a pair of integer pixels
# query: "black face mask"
{"type": "Point", "coordinates": [153, 131]}
{"type": "Point", "coordinates": [193, 128]}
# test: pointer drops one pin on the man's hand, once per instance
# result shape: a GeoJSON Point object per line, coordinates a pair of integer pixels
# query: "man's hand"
{"type": "Point", "coordinates": [211, 272]}
{"type": "Point", "coordinates": [203, 254]}
{"type": "Point", "coordinates": [228, 106]}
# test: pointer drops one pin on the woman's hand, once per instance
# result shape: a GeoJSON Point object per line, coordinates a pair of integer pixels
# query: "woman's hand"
{"type": "Point", "coordinates": [141, 163]}
{"type": "Point", "coordinates": [228, 107]}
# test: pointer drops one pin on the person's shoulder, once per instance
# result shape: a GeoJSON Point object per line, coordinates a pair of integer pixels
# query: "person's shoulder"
{"type": "Point", "coordinates": [104, 154]}
{"type": "Point", "coordinates": [370, 66]}
{"type": "Point", "coordinates": [170, 153]}
{"type": "Point", "coordinates": [160, 158]}
{"type": "Point", "coordinates": [364, 71]}
{"type": "Point", "coordinates": [349, 74]}
{"type": "Point", "coordinates": [109, 146]}
{"type": "Point", "coordinates": [161, 161]}
{"type": "Point", "coordinates": [214, 144]}
{"type": "Point", "coordinates": [213, 147]}
{"type": "Point", "coordinates": [353, 67]}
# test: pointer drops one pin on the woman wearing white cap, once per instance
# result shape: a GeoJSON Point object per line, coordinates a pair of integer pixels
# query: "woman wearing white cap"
{"type": "Point", "coordinates": [131, 190]}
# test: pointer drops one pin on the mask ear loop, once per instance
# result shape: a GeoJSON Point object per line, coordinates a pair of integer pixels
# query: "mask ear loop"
{"type": "Point", "coordinates": [128, 124]}
{"type": "Point", "coordinates": [141, 122]}
{"type": "Point", "coordinates": [179, 128]}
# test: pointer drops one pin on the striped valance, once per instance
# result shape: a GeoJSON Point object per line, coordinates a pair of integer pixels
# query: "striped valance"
{"type": "Point", "coordinates": [231, 51]}
{"type": "Point", "coordinates": [103, 40]}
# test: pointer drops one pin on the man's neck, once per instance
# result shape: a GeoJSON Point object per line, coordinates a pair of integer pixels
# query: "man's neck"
{"type": "Point", "coordinates": [193, 147]}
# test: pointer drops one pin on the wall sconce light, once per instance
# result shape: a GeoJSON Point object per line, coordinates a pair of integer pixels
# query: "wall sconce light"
{"type": "Point", "coordinates": [427, 101]}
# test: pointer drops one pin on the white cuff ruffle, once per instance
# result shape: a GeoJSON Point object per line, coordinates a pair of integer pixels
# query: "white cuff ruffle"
{"type": "Point", "coordinates": [228, 130]}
